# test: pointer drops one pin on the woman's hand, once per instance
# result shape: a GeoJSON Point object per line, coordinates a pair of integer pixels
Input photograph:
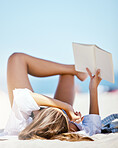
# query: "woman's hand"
{"type": "Point", "coordinates": [94, 80]}
{"type": "Point", "coordinates": [74, 116]}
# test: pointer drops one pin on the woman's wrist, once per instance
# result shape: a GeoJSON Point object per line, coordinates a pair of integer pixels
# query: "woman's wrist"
{"type": "Point", "coordinates": [67, 108]}
{"type": "Point", "coordinates": [93, 88]}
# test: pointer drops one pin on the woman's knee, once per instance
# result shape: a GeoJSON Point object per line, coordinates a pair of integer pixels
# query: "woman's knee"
{"type": "Point", "coordinates": [16, 56]}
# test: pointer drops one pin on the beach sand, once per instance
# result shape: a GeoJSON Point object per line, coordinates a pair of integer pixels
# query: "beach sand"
{"type": "Point", "coordinates": [4, 108]}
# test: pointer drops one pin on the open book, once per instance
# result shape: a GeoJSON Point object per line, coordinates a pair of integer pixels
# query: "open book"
{"type": "Point", "coordinates": [94, 58]}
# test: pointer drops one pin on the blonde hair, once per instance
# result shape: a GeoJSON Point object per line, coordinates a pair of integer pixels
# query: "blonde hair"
{"type": "Point", "coordinates": [50, 124]}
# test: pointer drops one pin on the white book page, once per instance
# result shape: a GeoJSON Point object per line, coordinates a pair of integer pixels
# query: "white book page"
{"type": "Point", "coordinates": [105, 64]}
{"type": "Point", "coordinates": [84, 57]}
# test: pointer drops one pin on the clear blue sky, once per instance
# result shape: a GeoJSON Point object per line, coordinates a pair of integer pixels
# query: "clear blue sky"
{"type": "Point", "coordinates": [47, 28]}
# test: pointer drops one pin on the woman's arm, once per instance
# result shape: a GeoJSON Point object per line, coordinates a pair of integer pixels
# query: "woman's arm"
{"type": "Point", "coordinates": [42, 100]}
{"type": "Point", "coordinates": [94, 82]}
{"type": "Point", "coordinates": [94, 108]}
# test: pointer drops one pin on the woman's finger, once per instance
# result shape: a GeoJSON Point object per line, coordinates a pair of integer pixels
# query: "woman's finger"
{"type": "Point", "coordinates": [100, 78]}
{"type": "Point", "coordinates": [82, 118]}
{"type": "Point", "coordinates": [77, 113]}
{"type": "Point", "coordinates": [79, 120]}
{"type": "Point", "coordinates": [97, 72]}
{"type": "Point", "coordinates": [89, 72]}
{"type": "Point", "coordinates": [80, 114]}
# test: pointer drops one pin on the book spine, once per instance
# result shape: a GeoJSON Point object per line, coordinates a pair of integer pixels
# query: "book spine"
{"type": "Point", "coordinates": [95, 66]}
{"type": "Point", "coordinates": [112, 70]}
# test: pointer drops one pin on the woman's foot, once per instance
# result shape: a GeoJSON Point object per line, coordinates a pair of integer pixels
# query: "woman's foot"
{"type": "Point", "coordinates": [81, 75]}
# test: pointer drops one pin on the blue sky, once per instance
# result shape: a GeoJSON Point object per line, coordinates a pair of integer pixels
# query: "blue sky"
{"type": "Point", "coordinates": [47, 28]}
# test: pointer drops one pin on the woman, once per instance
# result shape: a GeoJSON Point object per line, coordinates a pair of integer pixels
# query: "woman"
{"type": "Point", "coordinates": [29, 121]}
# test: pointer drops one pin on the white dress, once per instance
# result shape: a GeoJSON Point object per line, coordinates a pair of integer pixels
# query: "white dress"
{"type": "Point", "coordinates": [24, 104]}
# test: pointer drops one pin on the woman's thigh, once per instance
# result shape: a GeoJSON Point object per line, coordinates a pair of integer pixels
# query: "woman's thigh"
{"type": "Point", "coordinates": [17, 73]}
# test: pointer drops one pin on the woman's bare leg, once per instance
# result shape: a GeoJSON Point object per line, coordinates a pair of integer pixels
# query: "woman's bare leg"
{"type": "Point", "coordinates": [20, 65]}
{"type": "Point", "coordinates": [65, 89]}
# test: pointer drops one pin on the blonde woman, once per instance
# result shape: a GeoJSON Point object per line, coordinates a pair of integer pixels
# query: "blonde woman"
{"type": "Point", "coordinates": [57, 120]}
